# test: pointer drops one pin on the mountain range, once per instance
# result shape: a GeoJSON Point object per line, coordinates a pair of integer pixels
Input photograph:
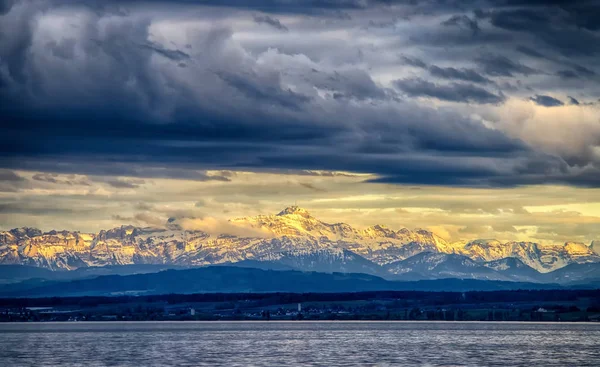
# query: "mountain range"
{"type": "Point", "coordinates": [235, 279]}
{"type": "Point", "coordinates": [293, 239]}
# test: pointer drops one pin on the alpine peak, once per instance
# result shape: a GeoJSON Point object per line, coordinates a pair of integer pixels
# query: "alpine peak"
{"type": "Point", "coordinates": [294, 210]}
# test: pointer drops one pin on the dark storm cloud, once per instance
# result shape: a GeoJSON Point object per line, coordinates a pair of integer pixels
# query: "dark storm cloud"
{"type": "Point", "coordinates": [568, 27]}
{"type": "Point", "coordinates": [546, 101]}
{"type": "Point", "coordinates": [454, 92]}
{"type": "Point", "coordinates": [531, 173]}
{"type": "Point", "coordinates": [583, 14]}
{"type": "Point", "coordinates": [110, 98]}
{"type": "Point", "coordinates": [273, 22]}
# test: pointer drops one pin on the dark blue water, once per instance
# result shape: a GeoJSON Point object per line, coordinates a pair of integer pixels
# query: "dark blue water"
{"type": "Point", "coordinates": [299, 344]}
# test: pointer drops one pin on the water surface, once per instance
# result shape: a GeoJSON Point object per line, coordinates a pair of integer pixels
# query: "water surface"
{"type": "Point", "coordinates": [299, 343]}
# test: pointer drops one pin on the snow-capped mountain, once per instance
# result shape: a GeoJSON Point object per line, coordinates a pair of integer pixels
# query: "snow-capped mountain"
{"type": "Point", "coordinates": [428, 265]}
{"type": "Point", "coordinates": [327, 261]}
{"type": "Point", "coordinates": [292, 237]}
{"type": "Point", "coordinates": [514, 268]}
{"type": "Point", "coordinates": [543, 258]}
{"type": "Point", "coordinates": [377, 243]}
{"type": "Point", "coordinates": [574, 274]}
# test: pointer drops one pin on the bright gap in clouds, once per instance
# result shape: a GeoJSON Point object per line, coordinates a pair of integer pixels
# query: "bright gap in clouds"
{"type": "Point", "coordinates": [547, 214]}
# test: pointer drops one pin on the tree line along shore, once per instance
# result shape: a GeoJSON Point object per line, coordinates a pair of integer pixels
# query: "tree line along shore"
{"type": "Point", "coordinates": [523, 305]}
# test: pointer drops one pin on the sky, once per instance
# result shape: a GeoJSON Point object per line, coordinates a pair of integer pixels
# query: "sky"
{"type": "Point", "coordinates": [471, 118]}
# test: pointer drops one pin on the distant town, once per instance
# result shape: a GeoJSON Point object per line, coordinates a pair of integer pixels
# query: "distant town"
{"type": "Point", "coordinates": [542, 305]}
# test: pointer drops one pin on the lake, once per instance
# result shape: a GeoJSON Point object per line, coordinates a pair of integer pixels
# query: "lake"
{"type": "Point", "coordinates": [299, 343]}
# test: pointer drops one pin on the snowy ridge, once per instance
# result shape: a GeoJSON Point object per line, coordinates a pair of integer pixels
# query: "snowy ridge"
{"type": "Point", "coordinates": [297, 239]}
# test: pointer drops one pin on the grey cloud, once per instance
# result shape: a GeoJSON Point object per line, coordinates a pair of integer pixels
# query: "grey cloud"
{"type": "Point", "coordinates": [496, 65]}
{"type": "Point", "coordinates": [122, 218]}
{"type": "Point", "coordinates": [573, 101]}
{"type": "Point", "coordinates": [321, 173]}
{"type": "Point", "coordinates": [531, 173]}
{"type": "Point", "coordinates": [444, 38]}
{"type": "Point", "coordinates": [64, 49]}
{"type": "Point", "coordinates": [458, 74]}
{"type": "Point", "coordinates": [6, 5]}
{"type": "Point", "coordinates": [121, 183]}
{"type": "Point", "coordinates": [530, 52]}
{"type": "Point", "coordinates": [263, 90]}
{"type": "Point", "coordinates": [546, 101]}
{"type": "Point", "coordinates": [225, 174]}
{"type": "Point", "coordinates": [312, 187]}
{"type": "Point", "coordinates": [41, 208]}
{"type": "Point", "coordinates": [578, 69]}
{"type": "Point", "coordinates": [463, 21]}
{"type": "Point", "coordinates": [518, 19]}
{"type": "Point", "coordinates": [143, 206]}
{"type": "Point", "coordinates": [567, 74]}
{"type": "Point", "coordinates": [413, 61]}
{"type": "Point", "coordinates": [311, 173]}
{"type": "Point", "coordinates": [463, 74]}
{"type": "Point", "coordinates": [583, 70]}
{"type": "Point", "coordinates": [349, 84]}
{"type": "Point", "coordinates": [149, 219]}
{"type": "Point", "coordinates": [273, 22]}
{"type": "Point", "coordinates": [11, 181]}
{"type": "Point", "coordinates": [57, 179]}
{"type": "Point", "coordinates": [310, 104]}
{"type": "Point", "coordinates": [10, 176]}
{"type": "Point", "coordinates": [143, 219]}
{"type": "Point", "coordinates": [175, 55]}
{"type": "Point", "coordinates": [454, 92]}
{"type": "Point", "coordinates": [561, 27]}
{"type": "Point", "coordinates": [129, 169]}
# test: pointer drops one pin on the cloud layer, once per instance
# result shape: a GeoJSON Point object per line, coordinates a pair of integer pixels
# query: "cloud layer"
{"type": "Point", "coordinates": [549, 214]}
{"type": "Point", "coordinates": [412, 92]}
